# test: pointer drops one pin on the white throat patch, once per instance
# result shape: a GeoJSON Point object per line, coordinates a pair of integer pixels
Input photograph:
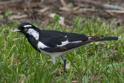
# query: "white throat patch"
{"type": "Point", "coordinates": [34, 33]}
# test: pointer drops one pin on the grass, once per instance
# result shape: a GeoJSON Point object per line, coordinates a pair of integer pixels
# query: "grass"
{"type": "Point", "coordinates": [93, 63]}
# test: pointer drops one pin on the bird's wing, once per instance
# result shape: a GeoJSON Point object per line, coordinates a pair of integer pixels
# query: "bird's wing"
{"type": "Point", "coordinates": [64, 42]}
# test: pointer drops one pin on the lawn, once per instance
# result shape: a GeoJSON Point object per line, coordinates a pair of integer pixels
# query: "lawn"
{"type": "Point", "coordinates": [101, 62]}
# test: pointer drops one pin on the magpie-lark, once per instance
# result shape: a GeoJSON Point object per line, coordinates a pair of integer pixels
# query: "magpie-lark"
{"type": "Point", "coordinates": [55, 43]}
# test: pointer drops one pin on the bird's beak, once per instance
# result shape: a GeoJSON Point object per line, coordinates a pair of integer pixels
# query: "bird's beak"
{"type": "Point", "coordinates": [16, 30]}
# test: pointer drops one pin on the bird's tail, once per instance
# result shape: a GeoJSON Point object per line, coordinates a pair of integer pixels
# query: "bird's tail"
{"type": "Point", "coordinates": [102, 38]}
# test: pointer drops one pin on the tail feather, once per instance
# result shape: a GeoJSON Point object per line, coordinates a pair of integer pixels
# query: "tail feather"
{"type": "Point", "coordinates": [102, 38]}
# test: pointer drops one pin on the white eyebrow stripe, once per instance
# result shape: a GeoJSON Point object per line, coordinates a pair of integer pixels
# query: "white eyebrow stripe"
{"type": "Point", "coordinates": [34, 33]}
{"type": "Point", "coordinates": [41, 45]}
{"type": "Point", "coordinates": [27, 26]}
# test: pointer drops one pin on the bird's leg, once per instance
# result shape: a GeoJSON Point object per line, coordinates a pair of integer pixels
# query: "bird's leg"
{"type": "Point", "coordinates": [64, 65]}
{"type": "Point", "coordinates": [64, 60]}
{"type": "Point", "coordinates": [53, 60]}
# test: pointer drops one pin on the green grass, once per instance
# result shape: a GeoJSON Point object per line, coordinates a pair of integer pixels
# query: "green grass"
{"type": "Point", "coordinates": [93, 63]}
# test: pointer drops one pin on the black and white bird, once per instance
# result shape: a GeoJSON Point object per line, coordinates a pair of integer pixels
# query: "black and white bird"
{"type": "Point", "coordinates": [55, 43]}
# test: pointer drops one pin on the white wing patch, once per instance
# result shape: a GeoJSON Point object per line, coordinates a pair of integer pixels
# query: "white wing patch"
{"type": "Point", "coordinates": [63, 43]}
{"type": "Point", "coordinates": [34, 33]}
{"type": "Point", "coordinates": [41, 45]}
{"type": "Point", "coordinates": [76, 42]}
{"type": "Point", "coordinates": [67, 42]}
{"type": "Point", "coordinates": [65, 36]}
{"type": "Point", "coordinates": [27, 26]}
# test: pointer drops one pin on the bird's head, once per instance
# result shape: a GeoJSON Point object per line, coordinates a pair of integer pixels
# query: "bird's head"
{"type": "Point", "coordinates": [28, 30]}
{"type": "Point", "coordinates": [24, 28]}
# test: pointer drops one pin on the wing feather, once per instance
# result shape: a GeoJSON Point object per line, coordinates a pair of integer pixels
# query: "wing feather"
{"type": "Point", "coordinates": [59, 42]}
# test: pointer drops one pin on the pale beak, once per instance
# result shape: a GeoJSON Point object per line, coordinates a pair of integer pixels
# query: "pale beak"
{"type": "Point", "coordinates": [16, 30]}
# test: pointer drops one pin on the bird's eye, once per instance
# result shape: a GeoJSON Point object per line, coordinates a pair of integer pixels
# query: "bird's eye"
{"type": "Point", "coordinates": [26, 29]}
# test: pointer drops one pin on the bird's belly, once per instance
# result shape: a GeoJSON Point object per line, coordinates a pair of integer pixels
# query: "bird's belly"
{"type": "Point", "coordinates": [53, 54]}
